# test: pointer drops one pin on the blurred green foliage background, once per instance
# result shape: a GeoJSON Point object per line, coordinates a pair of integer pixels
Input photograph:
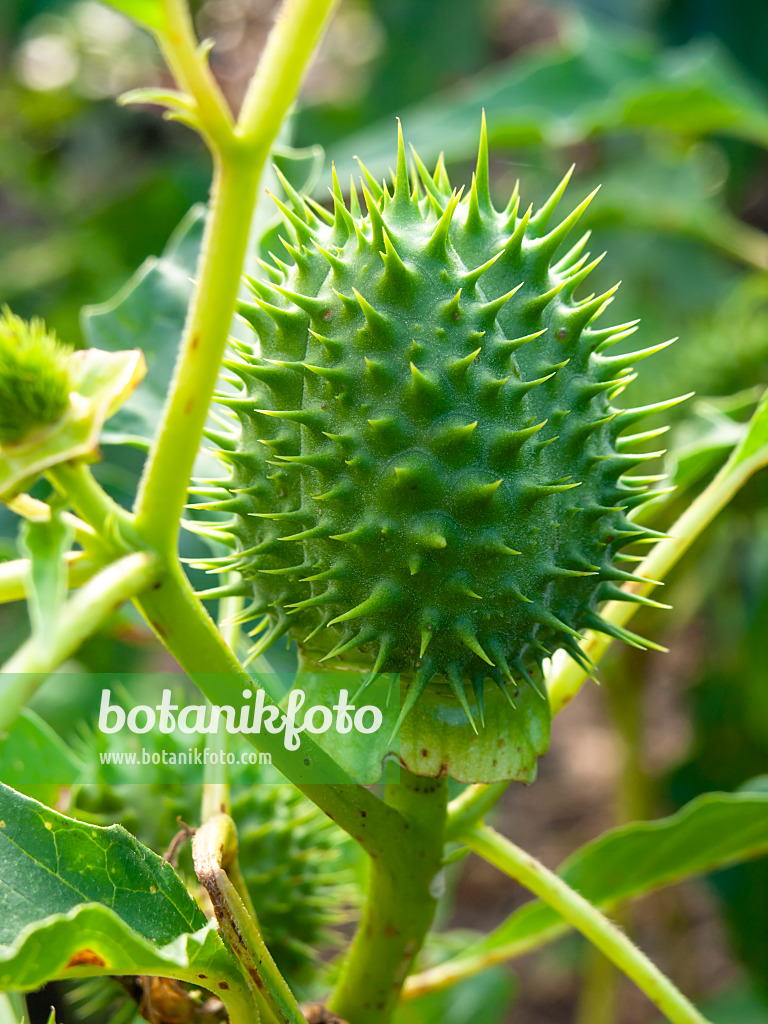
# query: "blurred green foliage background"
{"type": "Point", "coordinates": [663, 101]}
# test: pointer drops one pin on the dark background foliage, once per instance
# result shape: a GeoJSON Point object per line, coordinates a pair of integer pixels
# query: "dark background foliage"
{"type": "Point", "coordinates": [666, 103]}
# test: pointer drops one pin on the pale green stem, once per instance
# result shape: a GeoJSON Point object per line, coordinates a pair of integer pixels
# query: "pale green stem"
{"type": "Point", "coordinates": [453, 971]}
{"type": "Point", "coordinates": [190, 67]}
{"type": "Point", "coordinates": [216, 798]}
{"type": "Point", "coordinates": [37, 511]}
{"type": "Point", "coordinates": [111, 523]}
{"type": "Point", "coordinates": [81, 616]}
{"type": "Point", "coordinates": [566, 677]}
{"type": "Point", "coordinates": [178, 617]}
{"type": "Point", "coordinates": [163, 489]}
{"type": "Point", "coordinates": [471, 806]}
{"type": "Point", "coordinates": [238, 162]}
{"type": "Point", "coordinates": [296, 33]}
{"type": "Point", "coordinates": [14, 574]}
{"type": "Point", "coordinates": [587, 919]}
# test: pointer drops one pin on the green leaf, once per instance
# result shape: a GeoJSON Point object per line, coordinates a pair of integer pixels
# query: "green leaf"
{"type": "Point", "coordinates": [737, 1005]}
{"type": "Point", "coordinates": [148, 13]}
{"type": "Point", "coordinates": [753, 450]}
{"type": "Point", "coordinates": [494, 990]}
{"type": "Point", "coordinates": [45, 542]}
{"type": "Point", "coordinates": [594, 81]}
{"type": "Point", "coordinates": [676, 193]}
{"type": "Point", "coordinates": [101, 382]}
{"type": "Point", "coordinates": [92, 940]}
{"type": "Point", "coordinates": [50, 864]}
{"type": "Point", "coordinates": [35, 760]}
{"type": "Point", "coordinates": [713, 831]}
{"type": "Point", "coordinates": [12, 1008]}
{"type": "Point", "coordinates": [151, 308]}
{"type": "Point", "coordinates": [149, 311]}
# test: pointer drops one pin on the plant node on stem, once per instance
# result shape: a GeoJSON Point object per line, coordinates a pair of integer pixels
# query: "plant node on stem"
{"type": "Point", "coordinates": [405, 884]}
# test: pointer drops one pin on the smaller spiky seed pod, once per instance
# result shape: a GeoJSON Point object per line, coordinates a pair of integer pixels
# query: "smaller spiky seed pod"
{"type": "Point", "coordinates": [34, 378]}
{"type": "Point", "coordinates": [291, 857]}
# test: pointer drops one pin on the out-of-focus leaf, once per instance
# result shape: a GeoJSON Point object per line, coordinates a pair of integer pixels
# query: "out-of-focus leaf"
{"type": "Point", "coordinates": [739, 1006]}
{"type": "Point", "coordinates": [737, 325]}
{"type": "Point", "coordinates": [45, 542]}
{"type": "Point", "coordinates": [150, 310]}
{"type": "Point", "coordinates": [93, 940]}
{"type": "Point", "coordinates": [148, 13]}
{"type": "Point", "coordinates": [101, 382]}
{"type": "Point", "coordinates": [35, 760]}
{"type": "Point", "coordinates": [50, 863]}
{"type": "Point", "coordinates": [493, 990]}
{"type": "Point", "coordinates": [676, 194]}
{"type": "Point", "coordinates": [713, 831]}
{"type": "Point", "coordinates": [754, 448]}
{"type": "Point", "coordinates": [593, 81]}
{"type": "Point", "coordinates": [700, 440]}
{"type": "Point", "coordinates": [12, 1008]}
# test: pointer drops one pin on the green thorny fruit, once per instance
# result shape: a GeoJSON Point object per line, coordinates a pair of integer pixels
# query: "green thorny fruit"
{"type": "Point", "coordinates": [34, 377]}
{"type": "Point", "coordinates": [429, 468]}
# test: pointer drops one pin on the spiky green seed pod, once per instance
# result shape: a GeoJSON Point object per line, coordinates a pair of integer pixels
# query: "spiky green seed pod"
{"type": "Point", "coordinates": [34, 378]}
{"type": "Point", "coordinates": [294, 859]}
{"type": "Point", "coordinates": [430, 468]}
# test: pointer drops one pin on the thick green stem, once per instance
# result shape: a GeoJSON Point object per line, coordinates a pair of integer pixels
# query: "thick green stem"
{"type": "Point", "coordinates": [405, 884]}
{"type": "Point", "coordinates": [182, 623]}
{"type": "Point", "coordinates": [585, 917]}
{"type": "Point", "coordinates": [81, 616]}
{"type": "Point", "coordinates": [297, 31]}
{"type": "Point", "coordinates": [238, 158]}
{"type": "Point", "coordinates": [163, 489]}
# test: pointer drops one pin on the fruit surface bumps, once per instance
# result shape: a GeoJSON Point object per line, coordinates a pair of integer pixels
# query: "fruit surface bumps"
{"type": "Point", "coordinates": [429, 469]}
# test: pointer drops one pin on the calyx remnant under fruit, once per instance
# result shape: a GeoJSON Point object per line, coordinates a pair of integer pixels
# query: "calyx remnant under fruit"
{"type": "Point", "coordinates": [429, 468]}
